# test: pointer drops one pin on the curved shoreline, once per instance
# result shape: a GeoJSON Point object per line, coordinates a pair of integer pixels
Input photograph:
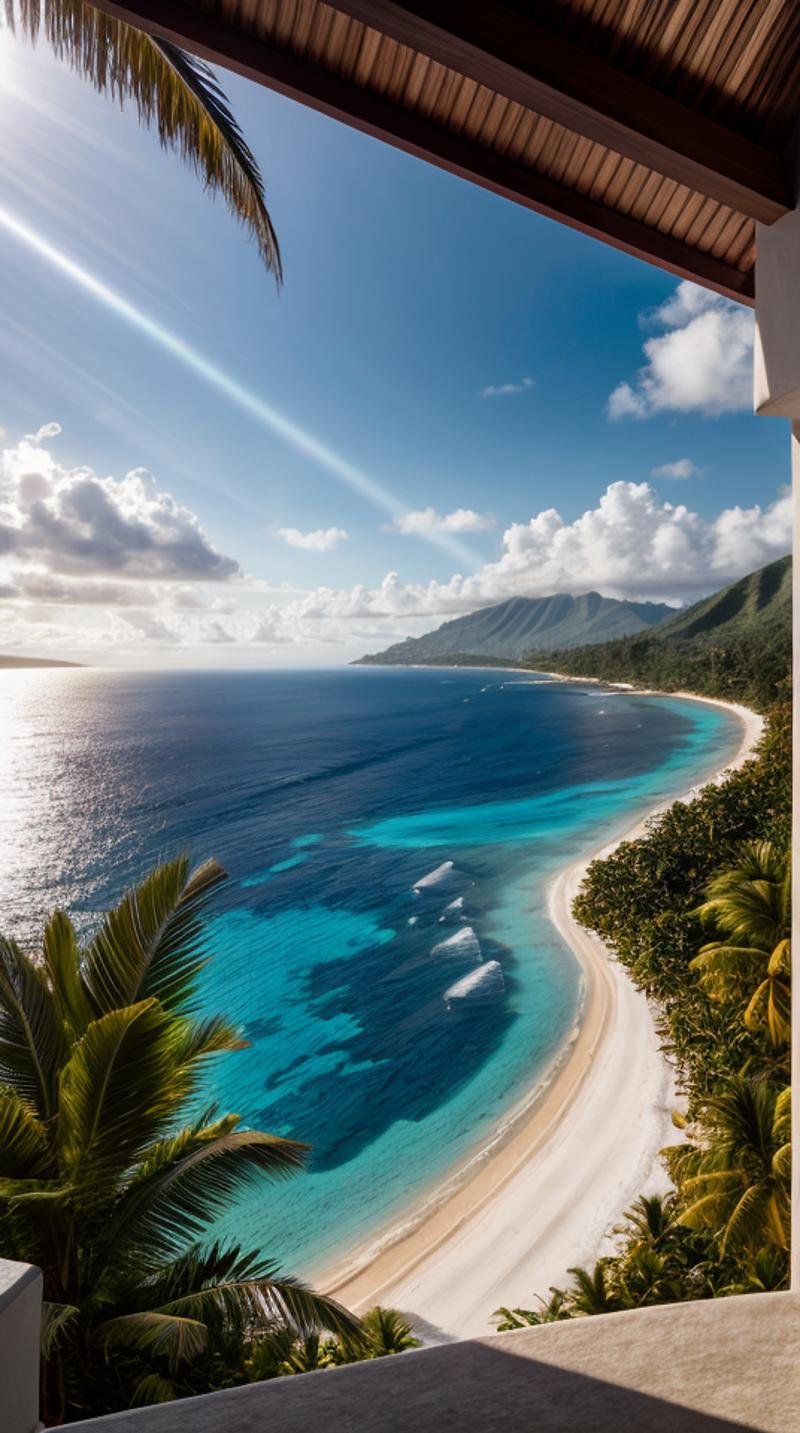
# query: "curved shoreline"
{"type": "Point", "coordinates": [543, 1194]}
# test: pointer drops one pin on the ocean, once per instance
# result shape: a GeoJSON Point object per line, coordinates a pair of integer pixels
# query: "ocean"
{"type": "Point", "coordinates": [383, 938]}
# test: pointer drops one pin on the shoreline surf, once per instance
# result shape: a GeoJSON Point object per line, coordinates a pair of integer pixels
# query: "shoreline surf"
{"type": "Point", "coordinates": [543, 1192]}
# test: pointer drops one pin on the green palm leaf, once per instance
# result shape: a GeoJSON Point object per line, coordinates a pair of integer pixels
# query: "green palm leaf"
{"type": "Point", "coordinates": [176, 1200]}
{"type": "Point", "coordinates": [270, 1298]}
{"type": "Point", "coordinates": [748, 1220]}
{"type": "Point", "coordinates": [116, 1091]}
{"type": "Point", "coordinates": [62, 965]}
{"type": "Point", "coordinates": [152, 943]}
{"type": "Point", "coordinates": [172, 91]}
{"type": "Point", "coordinates": [32, 1042]}
{"type": "Point", "coordinates": [58, 1322]}
{"type": "Point", "coordinates": [24, 1149]}
{"type": "Point", "coordinates": [153, 1388]}
{"type": "Point", "coordinates": [165, 1335]}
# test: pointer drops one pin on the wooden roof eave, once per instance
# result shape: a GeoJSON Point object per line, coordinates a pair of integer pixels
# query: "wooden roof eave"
{"type": "Point", "coordinates": [204, 33]}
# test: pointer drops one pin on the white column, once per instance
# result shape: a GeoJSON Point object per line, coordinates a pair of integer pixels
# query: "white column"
{"type": "Point", "coordinates": [776, 393]}
{"type": "Point", "coordinates": [20, 1327]}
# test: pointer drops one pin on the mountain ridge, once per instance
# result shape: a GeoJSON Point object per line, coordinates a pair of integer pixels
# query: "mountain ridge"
{"type": "Point", "coordinates": [508, 629]}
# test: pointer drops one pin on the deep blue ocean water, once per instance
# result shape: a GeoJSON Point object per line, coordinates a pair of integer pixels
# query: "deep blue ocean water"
{"type": "Point", "coordinates": [328, 796]}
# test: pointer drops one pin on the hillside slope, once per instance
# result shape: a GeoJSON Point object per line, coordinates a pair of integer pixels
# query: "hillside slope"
{"type": "Point", "coordinates": [16, 663]}
{"type": "Point", "coordinates": [735, 644]}
{"type": "Point", "coordinates": [511, 628]}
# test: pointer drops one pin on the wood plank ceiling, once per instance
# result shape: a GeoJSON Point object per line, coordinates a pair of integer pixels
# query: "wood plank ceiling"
{"type": "Point", "coordinates": [659, 126]}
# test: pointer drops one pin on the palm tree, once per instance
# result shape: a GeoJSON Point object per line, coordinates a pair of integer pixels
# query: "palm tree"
{"type": "Point", "coordinates": [385, 1331]}
{"type": "Point", "coordinates": [593, 1292]}
{"type": "Point", "coordinates": [550, 1311]}
{"type": "Point", "coordinates": [735, 1182]}
{"type": "Point", "coordinates": [750, 903]}
{"type": "Point", "coordinates": [103, 1187]}
{"type": "Point", "coordinates": [172, 91]}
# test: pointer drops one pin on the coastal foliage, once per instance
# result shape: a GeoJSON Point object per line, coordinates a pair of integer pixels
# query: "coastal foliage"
{"type": "Point", "coordinates": [113, 1171]}
{"type": "Point", "coordinates": [698, 913]}
{"type": "Point", "coordinates": [382, 1332]}
{"type": "Point", "coordinates": [172, 92]}
{"type": "Point", "coordinates": [735, 645]}
{"type": "Point", "coordinates": [750, 905]}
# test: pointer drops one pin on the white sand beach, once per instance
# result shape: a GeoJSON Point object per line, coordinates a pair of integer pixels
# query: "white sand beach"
{"type": "Point", "coordinates": [543, 1196]}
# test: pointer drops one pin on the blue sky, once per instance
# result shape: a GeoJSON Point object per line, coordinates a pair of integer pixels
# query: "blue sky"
{"type": "Point", "coordinates": [408, 293]}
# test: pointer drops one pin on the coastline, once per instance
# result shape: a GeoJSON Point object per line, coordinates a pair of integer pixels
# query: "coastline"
{"type": "Point", "coordinates": [543, 1194]}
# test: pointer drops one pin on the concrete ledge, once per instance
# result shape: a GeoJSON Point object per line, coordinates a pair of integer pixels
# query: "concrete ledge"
{"type": "Point", "coordinates": [20, 1328]}
{"type": "Point", "coordinates": [718, 1366]}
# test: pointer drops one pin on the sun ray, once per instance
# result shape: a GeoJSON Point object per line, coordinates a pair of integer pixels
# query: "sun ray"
{"type": "Point", "coordinates": [290, 432]}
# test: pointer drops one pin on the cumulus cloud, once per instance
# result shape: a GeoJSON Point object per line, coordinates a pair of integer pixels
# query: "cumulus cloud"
{"type": "Point", "coordinates": [71, 522]}
{"type": "Point", "coordinates": [427, 520]}
{"type": "Point", "coordinates": [47, 430]}
{"type": "Point", "coordinates": [680, 469]}
{"type": "Point", "coordinates": [321, 539]}
{"type": "Point", "coordinates": [215, 633]}
{"type": "Point", "coordinates": [629, 545]}
{"type": "Point", "coordinates": [506, 390]}
{"type": "Point", "coordinates": [273, 628]}
{"type": "Point", "coordinates": [149, 626]}
{"type": "Point", "coordinates": [64, 591]}
{"type": "Point", "coordinates": [701, 363]}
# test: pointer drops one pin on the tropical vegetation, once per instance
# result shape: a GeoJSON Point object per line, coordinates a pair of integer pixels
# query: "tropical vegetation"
{"type": "Point", "coordinates": [171, 91]}
{"type": "Point", "coordinates": [698, 913]}
{"type": "Point", "coordinates": [114, 1168]}
{"type": "Point", "coordinates": [736, 644]}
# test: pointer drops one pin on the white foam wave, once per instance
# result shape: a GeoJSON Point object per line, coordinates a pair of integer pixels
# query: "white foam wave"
{"type": "Point", "coordinates": [440, 873]}
{"type": "Point", "coordinates": [453, 909]}
{"type": "Point", "coordinates": [483, 980]}
{"type": "Point", "coordinates": [464, 943]}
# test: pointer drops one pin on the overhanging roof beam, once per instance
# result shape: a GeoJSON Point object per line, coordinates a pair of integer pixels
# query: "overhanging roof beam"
{"type": "Point", "coordinates": [513, 55]}
{"type": "Point", "coordinates": [203, 33]}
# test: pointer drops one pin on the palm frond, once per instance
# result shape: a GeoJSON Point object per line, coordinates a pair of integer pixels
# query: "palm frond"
{"type": "Point", "coordinates": [267, 1300]}
{"type": "Point", "coordinates": [745, 1225]}
{"type": "Point", "coordinates": [770, 1008]}
{"type": "Point", "coordinates": [32, 1043]}
{"type": "Point", "coordinates": [57, 1322]}
{"type": "Point", "coordinates": [176, 1201]}
{"type": "Point", "coordinates": [152, 943]}
{"type": "Point", "coordinates": [172, 91]}
{"type": "Point", "coordinates": [197, 1039]}
{"type": "Point", "coordinates": [62, 964]}
{"type": "Point", "coordinates": [164, 1335]}
{"type": "Point", "coordinates": [24, 1148]}
{"type": "Point", "coordinates": [153, 1388]}
{"type": "Point", "coordinates": [116, 1091]}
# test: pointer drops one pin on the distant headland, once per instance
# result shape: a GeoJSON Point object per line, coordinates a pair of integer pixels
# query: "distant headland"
{"type": "Point", "coordinates": [35, 662]}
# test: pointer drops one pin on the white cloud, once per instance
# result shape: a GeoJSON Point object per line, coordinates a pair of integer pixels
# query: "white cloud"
{"type": "Point", "coordinates": [321, 539]}
{"type": "Point", "coordinates": [71, 522]}
{"type": "Point", "coordinates": [681, 468]}
{"type": "Point", "coordinates": [427, 520]}
{"type": "Point", "coordinates": [77, 592]}
{"type": "Point", "coordinates": [271, 628]}
{"type": "Point", "coordinates": [47, 430]}
{"type": "Point", "coordinates": [150, 627]}
{"type": "Point", "coordinates": [630, 545]}
{"type": "Point", "coordinates": [701, 363]}
{"type": "Point", "coordinates": [506, 390]}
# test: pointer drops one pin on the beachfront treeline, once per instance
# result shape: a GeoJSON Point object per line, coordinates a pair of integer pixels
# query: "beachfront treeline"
{"type": "Point", "coordinates": [698, 913]}
{"type": "Point", "coordinates": [736, 644]}
{"type": "Point", "coordinates": [113, 1170]}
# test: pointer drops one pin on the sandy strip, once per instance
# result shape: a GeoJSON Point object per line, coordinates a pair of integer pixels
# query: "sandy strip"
{"type": "Point", "coordinates": [543, 1195]}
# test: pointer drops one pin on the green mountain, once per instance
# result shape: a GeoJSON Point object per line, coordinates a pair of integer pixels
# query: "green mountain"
{"type": "Point", "coordinates": [736, 644]}
{"type": "Point", "coordinates": [512, 628]}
